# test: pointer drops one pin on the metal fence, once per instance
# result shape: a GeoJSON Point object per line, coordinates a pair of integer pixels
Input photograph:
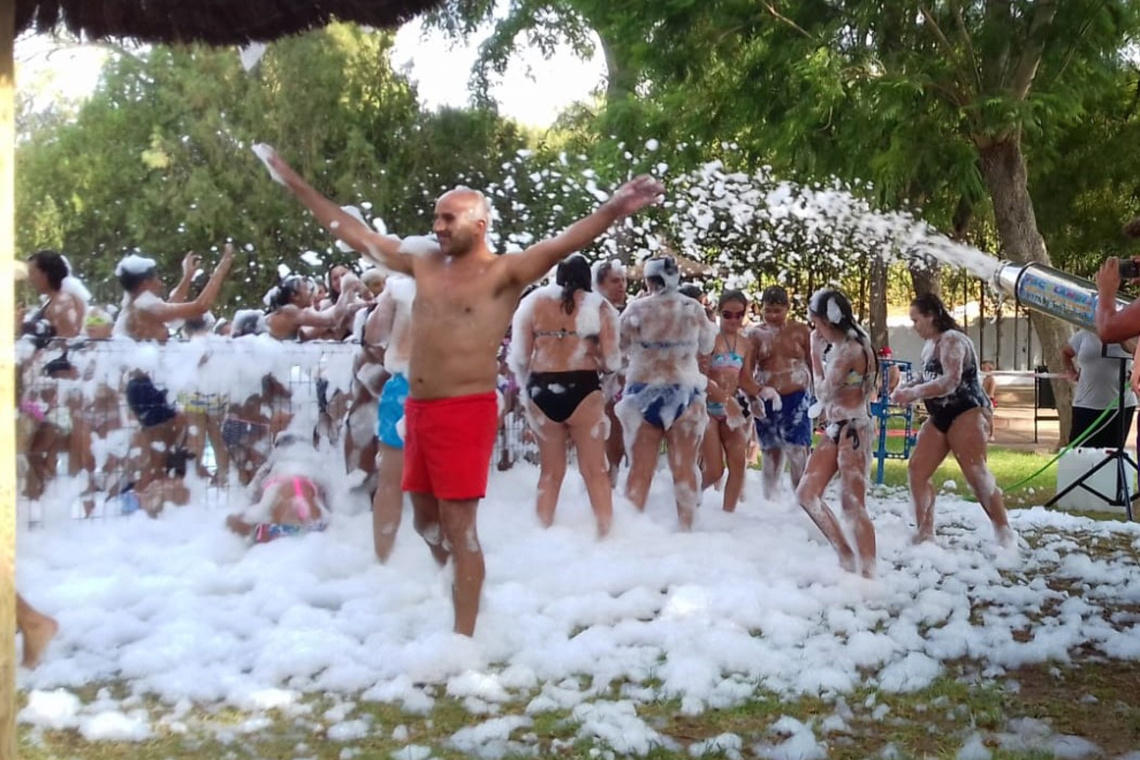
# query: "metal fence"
{"type": "Point", "coordinates": [81, 445]}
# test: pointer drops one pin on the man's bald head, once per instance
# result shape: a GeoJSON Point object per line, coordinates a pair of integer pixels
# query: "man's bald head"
{"type": "Point", "coordinates": [462, 218]}
{"type": "Point", "coordinates": [477, 205]}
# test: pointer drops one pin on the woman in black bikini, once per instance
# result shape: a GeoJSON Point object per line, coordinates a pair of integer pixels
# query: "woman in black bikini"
{"type": "Point", "coordinates": [845, 375]}
{"type": "Point", "coordinates": [960, 421]}
{"type": "Point", "coordinates": [564, 335]}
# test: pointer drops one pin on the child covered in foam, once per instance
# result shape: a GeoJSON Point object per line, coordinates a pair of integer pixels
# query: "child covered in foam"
{"type": "Point", "coordinates": [287, 495]}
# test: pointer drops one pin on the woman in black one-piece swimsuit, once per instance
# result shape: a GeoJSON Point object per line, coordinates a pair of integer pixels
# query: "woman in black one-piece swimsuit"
{"type": "Point", "coordinates": [961, 417]}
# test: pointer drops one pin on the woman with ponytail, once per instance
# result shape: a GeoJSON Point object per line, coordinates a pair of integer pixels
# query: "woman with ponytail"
{"type": "Point", "coordinates": [845, 375]}
{"type": "Point", "coordinates": [961, 418]}
{"type": "Point", "coordinates": [563, 336]}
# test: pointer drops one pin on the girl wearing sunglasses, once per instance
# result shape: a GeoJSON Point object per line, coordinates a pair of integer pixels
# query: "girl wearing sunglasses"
{"type": "Point", "coordinates": [726, 438]}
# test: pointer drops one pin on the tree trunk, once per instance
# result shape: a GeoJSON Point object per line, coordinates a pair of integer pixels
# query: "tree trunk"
{"type": "Point", "coordinates": [878, 321]}
{"type": "Point", "coordinates": [926, 277]}
{"type": "Point", "coordinates": [621, 77]}
{"type": "Point", "coordinates": [999, 321]}
{"type": "Point", "coordinates": [1003, 167]}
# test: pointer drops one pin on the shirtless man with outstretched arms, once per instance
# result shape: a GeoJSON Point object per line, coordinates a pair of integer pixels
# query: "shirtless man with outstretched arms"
{"type": "Point", "coordinates": [465, 297]}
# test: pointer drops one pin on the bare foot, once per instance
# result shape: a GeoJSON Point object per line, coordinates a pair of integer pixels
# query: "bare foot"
{"type": "Point", "coordinates": [921, 538]}
{"type": "Point", "coordinates": [38, 632]}
{"type": "Point", "coordinates": [1005, 536]}
{"type": "Point", "coordinates": [847, 560]}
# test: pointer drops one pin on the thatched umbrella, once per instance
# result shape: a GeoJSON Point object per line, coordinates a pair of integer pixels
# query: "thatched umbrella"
{"type": "Point", "coordinates": [214, 22]}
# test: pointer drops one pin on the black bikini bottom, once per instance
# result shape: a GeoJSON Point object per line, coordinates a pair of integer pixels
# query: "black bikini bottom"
{"type": "Point", "coordinates": [558, 394]}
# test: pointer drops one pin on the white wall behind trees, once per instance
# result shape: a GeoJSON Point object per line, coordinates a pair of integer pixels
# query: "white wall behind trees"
{"type": "Point", "coordinates": [1019, 348]}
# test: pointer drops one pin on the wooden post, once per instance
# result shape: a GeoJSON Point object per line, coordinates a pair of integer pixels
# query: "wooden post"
{"type": "Point", "coordinates": [982, 320]}
{"type": "Point", "coordinates": [7, 382]}
{"type": "Point", "coordinates": [1016, 347]}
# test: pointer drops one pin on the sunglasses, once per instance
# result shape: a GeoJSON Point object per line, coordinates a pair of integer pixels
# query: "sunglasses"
{"type": "Point", "coordinates": [732, 314]}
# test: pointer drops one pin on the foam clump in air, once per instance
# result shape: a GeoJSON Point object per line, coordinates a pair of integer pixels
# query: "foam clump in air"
{"type": "Point", "coordinates": [265, 152]}
{"type": "Point", "coordinates": [419, 245]}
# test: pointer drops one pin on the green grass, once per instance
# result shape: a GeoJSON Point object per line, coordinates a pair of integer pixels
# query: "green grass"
{"type": "Point", "coordinates": [1091, 699]}
{"type": "Point", "coordinates": [1009, 467]}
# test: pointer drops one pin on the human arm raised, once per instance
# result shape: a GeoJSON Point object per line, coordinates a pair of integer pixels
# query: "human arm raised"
{"type": "Point", "coordinates": [1112, 325]}
{"type": "Point", "coordinates": [168, 312]}
{"type": "Point", "coordinates": [526, 267]}
{"type": "Point", "coordinates": [384, 249]}
{"type": "Point", "coordinates": [189, 268]}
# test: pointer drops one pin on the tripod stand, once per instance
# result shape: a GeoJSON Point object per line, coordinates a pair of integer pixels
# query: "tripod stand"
{"type": "Point", "coordinates": [1116, 457]}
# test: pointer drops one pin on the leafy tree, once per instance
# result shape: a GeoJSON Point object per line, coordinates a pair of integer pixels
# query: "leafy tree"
{"type": "Point", "coordinates": [932, 102]}
{"type": "Point", "coordinates": [1089, 180]}
{"type": "Point", "coordinates": [158, 160]}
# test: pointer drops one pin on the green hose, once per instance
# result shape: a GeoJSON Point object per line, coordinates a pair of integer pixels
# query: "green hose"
{"type": "Point", "coordinates": [1091, 430]}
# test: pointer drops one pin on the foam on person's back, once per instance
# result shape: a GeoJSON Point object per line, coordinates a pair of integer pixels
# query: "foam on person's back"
{"type": "Point", "coordinates": [402, 288]}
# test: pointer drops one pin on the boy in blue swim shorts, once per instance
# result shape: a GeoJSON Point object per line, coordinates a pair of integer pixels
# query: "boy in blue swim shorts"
{"type": "Point", "coordinates": [782, 360]}
{"type": "Point", "coordinates": [389, 326]}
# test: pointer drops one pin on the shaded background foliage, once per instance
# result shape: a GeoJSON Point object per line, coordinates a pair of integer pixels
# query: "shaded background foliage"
{"type": "Point", "coordinates": [158, 159]}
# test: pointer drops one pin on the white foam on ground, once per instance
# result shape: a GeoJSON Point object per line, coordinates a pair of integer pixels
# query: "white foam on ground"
{"type": "Point", "coordinates": [179, 608]}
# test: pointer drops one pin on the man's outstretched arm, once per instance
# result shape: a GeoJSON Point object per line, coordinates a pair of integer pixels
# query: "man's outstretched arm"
{"type": "Point", "coordinates": [382, 249]}
{"type": "Point", "coordinates": [537, 260]}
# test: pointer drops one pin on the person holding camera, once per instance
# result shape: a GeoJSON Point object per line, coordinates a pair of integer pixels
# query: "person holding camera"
{"type": "Point", "coordinates": [1096, 370]}
{"type": "Point", "coordinates": [1112, 325]}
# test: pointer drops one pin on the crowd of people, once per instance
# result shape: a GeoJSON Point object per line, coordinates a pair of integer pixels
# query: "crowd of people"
{"type": "Point", "coordinates": [614, 375]}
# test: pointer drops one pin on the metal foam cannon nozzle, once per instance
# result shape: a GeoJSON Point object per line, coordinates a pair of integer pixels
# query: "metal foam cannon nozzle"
{"type": "Point", "coordinates": [1051, 291]}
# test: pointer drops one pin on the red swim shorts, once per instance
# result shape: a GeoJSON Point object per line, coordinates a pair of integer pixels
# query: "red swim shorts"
{"type": "Point", "coordinates": [448, 444]}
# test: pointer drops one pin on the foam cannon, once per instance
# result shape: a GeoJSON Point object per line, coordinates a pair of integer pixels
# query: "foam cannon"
{"type": "Point", "coordinates": [1051, 291]}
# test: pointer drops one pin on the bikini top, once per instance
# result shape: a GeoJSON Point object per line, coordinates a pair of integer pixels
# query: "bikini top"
{"type": "Point", "coordinates": [556, 334]}
{"type": "Point", "coordinates": [39, 328]}
{"type": "Point", "coordinates": [300, 503]}
{"type": "Point", "coordinates": [727, 360]}
{"type": "Point", "coordinates": [663, 344]}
